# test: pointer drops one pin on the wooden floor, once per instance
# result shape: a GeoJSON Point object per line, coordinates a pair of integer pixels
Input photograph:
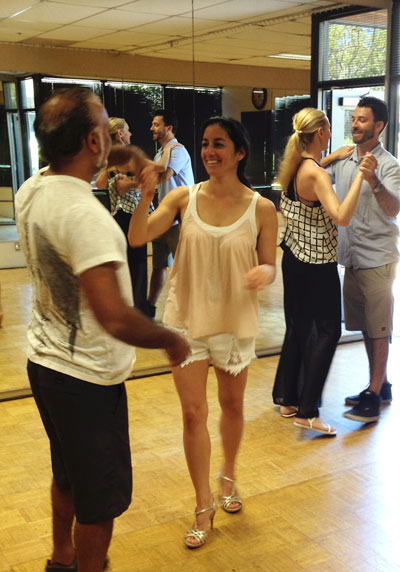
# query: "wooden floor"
{"type": "Point", "coordinates": [311, 503]}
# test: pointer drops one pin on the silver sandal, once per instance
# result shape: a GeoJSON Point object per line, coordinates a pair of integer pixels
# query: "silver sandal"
{"type": "Point", "coordinates": [200, 535]}
{"type": "Point", "coordinates": [233, 498]}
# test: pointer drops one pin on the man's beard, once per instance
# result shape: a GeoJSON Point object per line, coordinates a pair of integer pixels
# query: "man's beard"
{"type": "Point", "coordinates": [160, 136]}
{"type": "Point", "coordinates": [365, 136]}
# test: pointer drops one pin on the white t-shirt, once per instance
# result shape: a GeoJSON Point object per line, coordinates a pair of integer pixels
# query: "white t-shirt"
{"type": "Point", "coordinates": [64, 230]}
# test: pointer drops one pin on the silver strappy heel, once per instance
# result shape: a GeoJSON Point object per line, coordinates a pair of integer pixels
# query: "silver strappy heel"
{"type": "Point", "coordinates": [200, 536]}
{"type": "Point", "coordinates": [233, 498]}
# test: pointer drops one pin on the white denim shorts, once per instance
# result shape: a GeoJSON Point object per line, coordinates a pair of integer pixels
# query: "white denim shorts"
{"type": "Point", "coordinates": [224, 350]}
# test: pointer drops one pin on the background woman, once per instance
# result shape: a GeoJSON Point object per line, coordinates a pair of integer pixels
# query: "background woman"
{"type": "Point", "coordinates": [311, 284]}
{"type": "Point", "coordinates": [124, 198]}
{"type": "Point", "coordinates": [225, 254]}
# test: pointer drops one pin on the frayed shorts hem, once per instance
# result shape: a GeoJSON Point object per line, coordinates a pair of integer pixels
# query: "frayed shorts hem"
{"type": "Point", "coordinates": [225, 351]}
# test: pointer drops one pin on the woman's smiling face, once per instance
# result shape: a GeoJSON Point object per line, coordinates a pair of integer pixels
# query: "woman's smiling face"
{"type": "Point", "coordinates": [218, 151]}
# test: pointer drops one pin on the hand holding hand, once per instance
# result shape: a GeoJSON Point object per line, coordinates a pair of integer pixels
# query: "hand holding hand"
{"type": "Point", "coordinates": [259, 277]}
{"type": "Point", "coordinates": [123, 184]}
{"type": "Point", "coordinates": [367, 168]}
{"type": "Point", "coordinates": [148, 179]}
{"type": "Point", "coordinates": [129, 158]}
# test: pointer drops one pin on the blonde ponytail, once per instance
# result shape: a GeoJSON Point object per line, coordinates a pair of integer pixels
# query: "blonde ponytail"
{"type": "Point", "coordinates": [305, 124]}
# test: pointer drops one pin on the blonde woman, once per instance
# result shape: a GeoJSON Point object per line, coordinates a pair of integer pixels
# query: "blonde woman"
{"type": "Point", "coordinates": [311, 283]}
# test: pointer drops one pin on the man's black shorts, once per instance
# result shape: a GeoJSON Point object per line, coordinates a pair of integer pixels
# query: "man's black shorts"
{"type": "Point", "coordinates": [87, 425]}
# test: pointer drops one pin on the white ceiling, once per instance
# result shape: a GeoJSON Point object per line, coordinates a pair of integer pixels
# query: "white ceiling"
{"type": "Point", "coordinates": [245, 32]}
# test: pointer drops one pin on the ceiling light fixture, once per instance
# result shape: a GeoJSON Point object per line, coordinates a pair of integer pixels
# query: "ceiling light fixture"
{"type": "Point", "coordinates": [291, 56]}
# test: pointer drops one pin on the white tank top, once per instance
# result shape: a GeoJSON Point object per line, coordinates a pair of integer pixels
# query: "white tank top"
{"type": "Point", "coordinates": [207, 295]}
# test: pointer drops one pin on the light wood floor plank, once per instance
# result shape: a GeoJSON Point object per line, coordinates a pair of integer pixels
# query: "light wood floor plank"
{"type": "Point", "coordinates": [312, 503]}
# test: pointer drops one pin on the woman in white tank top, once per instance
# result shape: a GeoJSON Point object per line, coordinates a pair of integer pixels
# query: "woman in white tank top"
{"type": "Point", "coordinates": [225, 254]}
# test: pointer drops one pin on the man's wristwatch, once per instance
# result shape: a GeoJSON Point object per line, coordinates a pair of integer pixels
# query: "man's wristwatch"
{"type": "Point", "coordinates": [379, 187]}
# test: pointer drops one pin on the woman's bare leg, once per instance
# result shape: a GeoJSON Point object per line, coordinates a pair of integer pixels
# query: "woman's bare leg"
{"type": "Point", "coordinates": [230, 393]}
{"type": "Point", "coordinates": [190, 382]}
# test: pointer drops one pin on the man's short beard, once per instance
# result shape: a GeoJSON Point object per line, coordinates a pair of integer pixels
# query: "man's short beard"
{"type": "Point", "coordinates": [366, 136]}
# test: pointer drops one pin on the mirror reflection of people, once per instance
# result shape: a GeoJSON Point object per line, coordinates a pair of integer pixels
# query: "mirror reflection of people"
{"type": "Point", "coordinates": [174, 156]}
{"type": "Point", "coordinates": [124, 197]}
{"type": "Point", "coordinates": [82, 327]}
{"type": "Point", "coordinates": [368, 249]}
{"type": "Point", "coordinates": [309, 267]}
{"type": "Point", "coordinates": [226, 252]}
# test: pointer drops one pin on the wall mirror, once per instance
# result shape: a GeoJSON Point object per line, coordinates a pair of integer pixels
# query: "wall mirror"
{"type": "Point", "coordinates": [210, 44]}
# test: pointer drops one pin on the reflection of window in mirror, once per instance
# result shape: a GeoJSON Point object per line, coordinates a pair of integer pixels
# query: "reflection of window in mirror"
{"type": "Point", "coordinates": [6, 193]}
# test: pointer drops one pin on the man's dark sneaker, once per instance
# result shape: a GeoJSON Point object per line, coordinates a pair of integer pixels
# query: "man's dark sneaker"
{"type": "Point", "coordinates": [385, 393]}
{"type": "Point", "coordinates": [368, 408]}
